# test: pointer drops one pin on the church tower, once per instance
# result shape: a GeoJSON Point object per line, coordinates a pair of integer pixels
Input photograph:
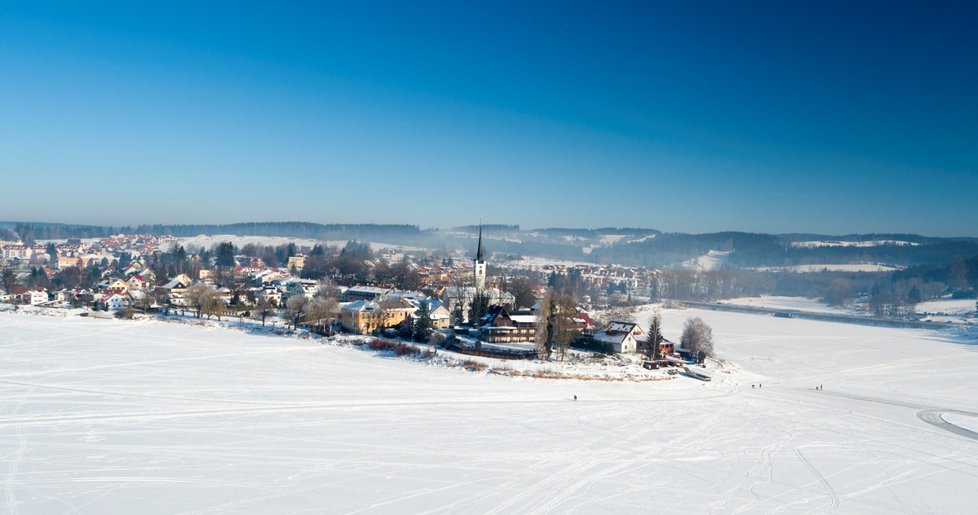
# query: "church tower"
{"type": "Point", "coordinates": [480, 265]}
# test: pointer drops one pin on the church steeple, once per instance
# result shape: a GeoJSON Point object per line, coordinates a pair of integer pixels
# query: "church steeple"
{"type": "Point", "coordinates": [479, 265]}
{"type": "Point", "coordinates": [478, 254]}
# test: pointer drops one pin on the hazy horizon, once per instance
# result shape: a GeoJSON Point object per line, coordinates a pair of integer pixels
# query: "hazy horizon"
{"type": "Point", "coordinates": [522, 227]}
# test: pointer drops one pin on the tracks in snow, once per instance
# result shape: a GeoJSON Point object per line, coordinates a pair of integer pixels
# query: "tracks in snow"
{"type": "Point", "coordinates": [834, 497]}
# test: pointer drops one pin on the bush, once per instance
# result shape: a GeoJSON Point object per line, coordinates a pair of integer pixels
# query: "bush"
{"type": "Point", "coordinates": [438, 339]}
{"type": "Point", "coordinates": [473, 366]}
{"type": "Point", "coordinates": [124, 313]}
{"type": "Point", "coordinates": [397, 348]}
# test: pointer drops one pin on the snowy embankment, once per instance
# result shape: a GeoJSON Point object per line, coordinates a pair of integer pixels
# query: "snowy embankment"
{"type": "Point", "coordinates": [108, 416]}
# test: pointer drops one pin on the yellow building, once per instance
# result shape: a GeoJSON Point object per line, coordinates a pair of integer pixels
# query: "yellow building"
{"type": "Point", "coordinates": [365, 317]}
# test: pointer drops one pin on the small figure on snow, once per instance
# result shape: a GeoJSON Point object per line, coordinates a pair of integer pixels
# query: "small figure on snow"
{"type": "Point", "coordinates": [575, 397]}
{"type": "Point", "coordinates": [752, 386]}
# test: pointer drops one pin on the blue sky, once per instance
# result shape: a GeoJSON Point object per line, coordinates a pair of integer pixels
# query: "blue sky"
{"type": "Point", "coordinates": [760, 116]}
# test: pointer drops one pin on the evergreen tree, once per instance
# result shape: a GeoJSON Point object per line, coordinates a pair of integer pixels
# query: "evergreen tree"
{"type": "Point", "coordinates": [52, 252]}
{"type": "Point", "coordinates": [422, 326]}
{"type": "Point", "coordinates": [913, 296]}
{"type": "Point", "coordinates": [654, 337]}
{"type": "Point", "coordinates": [225, 254]}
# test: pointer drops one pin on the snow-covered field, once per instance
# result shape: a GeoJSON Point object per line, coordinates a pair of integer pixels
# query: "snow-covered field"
{"type": "Point", "coordinates": [847, 267]}
{"type": "Point", "coordinates": [947, 306]}
{"type": "Point", "coordinates": [712, 260]}
{"type": "Point", "coordinates": [788, 303]}
{"type": "Point", "coordinates": [107, 416]}
{"type": "Point", "coordinates": [868, 243]}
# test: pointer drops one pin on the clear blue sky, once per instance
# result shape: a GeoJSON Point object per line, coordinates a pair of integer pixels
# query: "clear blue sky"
{"type": "Point", "coordinates": [831, 117]}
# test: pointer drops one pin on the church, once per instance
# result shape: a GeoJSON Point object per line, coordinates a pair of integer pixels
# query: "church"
{"type": "Point", "coordinates": [454, 295]}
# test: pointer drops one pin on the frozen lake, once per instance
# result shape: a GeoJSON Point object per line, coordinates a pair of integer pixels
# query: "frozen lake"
{"type": "Point", "coordinates": [104, 416]}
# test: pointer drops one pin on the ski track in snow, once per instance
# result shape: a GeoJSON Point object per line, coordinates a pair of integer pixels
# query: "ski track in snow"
{"type": "Point", "coordinates": [103, 416]}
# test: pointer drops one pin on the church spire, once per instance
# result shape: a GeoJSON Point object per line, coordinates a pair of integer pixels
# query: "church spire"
{"type": "Point", "coordinates": [478, 254]}
{"type": "Point", "coordinates": [479, 265]}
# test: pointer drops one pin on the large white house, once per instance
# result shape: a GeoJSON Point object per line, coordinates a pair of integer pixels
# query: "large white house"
{"type": "Point", "coordinates": [621, 336]}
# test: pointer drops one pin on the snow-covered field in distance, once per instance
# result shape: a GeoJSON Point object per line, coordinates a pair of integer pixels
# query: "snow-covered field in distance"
{"type": "Point", "coordinates": [106, 416]}
{"type": "Point", "coordinates": [947, 306]}
{"type": "Point", "coordinates": [788, 303]}
{"type": "Point", "coordinates": [846, 243]}
{"type": "Point", "coordinates": [816, 268]}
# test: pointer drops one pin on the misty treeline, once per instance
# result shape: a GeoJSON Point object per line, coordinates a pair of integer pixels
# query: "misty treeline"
{"type": "Point", "coordinates": [31, 232]}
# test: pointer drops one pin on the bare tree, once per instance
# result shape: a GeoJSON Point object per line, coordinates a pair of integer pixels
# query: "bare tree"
{"type": "Point", "coordinates": [327, 289]}
{"type": "Point", "coordinates": [555, 323]}
{"type": "Point", "coordinates": [213, 305]}
{"type": "Point", "coordinates": [386, 307]}
{"type": "Point", "coordinates": [697, 337]}
{"type": "Point", "coordinates": [265, 306]}
{"type": "Point", "coordinates": [197, 294]}
{"type": "Point", "coordinates": [544, 325]}
{"type": "Point", "coordinates": [321, 311]}
{"type": "Point", "coordinates": [295, 308]}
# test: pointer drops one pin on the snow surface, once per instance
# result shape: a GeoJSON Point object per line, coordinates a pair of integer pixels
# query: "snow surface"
{"type": "Point", "coordinates": [712, 260]}
{"type": "Point", "coordinates": [968, 422]}
{"type": "Point", "coordinates": [788, 303]}
{"type": "Point", "coordinates": [846, 267]}
{"type": "Point", "coordinates": [108, 416]}
{"type": "Point", "coordinates": [868, 243]}
{"type": "Point", "coordinates": [947, 306]}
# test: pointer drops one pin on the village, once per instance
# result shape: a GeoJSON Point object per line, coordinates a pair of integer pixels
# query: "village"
{"type": "Point", "coordinates": [464, 304]}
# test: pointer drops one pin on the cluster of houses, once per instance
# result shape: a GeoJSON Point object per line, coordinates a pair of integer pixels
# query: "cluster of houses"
{"type": "Point", "coordinates": [363, 309]}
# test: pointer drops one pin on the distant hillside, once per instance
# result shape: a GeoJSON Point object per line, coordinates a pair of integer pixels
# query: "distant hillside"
{"type": "Point", "coordinates": [626, 246]}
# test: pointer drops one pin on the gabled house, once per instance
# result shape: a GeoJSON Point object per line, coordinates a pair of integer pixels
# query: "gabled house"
{"type": "Point", "coordinates": [30, 295]}
{"type": "Point", "coordinates": [499, 326]}
{"type": "Point", "coordinates": [116, 302]}
{"type": "Point", "coordinates": [440, 317]}
{"type": "Point", "coordinates": [118, 286]}
{"type": "Point", "coordinates": [621, 336]}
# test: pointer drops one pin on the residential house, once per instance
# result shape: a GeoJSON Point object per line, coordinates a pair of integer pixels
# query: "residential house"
{"type": "Point", "coordinates": [365, 317]}
{"type": "Point", "coordinates": [370, 293]}
{"type": "Point", "coordinates": [30, 295]}
{"type": "Point", "coordinates": [116, 301]}
{"type": "Point", "coordinates": [118, 286]}
{"type": "Point", "coordinates": [499, 326]}
{"type": "Point", "coordinates": [621, 336]}
{"type": "Point", "coordinates": [440, 318]}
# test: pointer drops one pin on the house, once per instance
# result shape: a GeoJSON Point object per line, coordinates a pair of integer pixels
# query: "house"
{"type": "Point", "coordinates": [115, 302]}
{"type": "Point", "coordinates": [30, 295]}
{"type": "Point", "coordinates": [621, 336]}
{"type": "Point", "coordinates": [498, 326]}
{"type": "Point", "coordinates": [295, 287]}
{"type": "Point", "coordinates": [118, 286]}
{"type": "Point", "coordinates": [365, 316]}
{"type": "Point", "coordinates": [175, 288]}
{"type": "Point", "coordinates": [364, 293]}
{"type": "Point", "coordinates": [178, 284]}
{"type": "Point", "coordinates": [297, 262]}
{"type": "Point", "coordinates": [440, 318]}
{"type": "Point", "coordinates": [136, 282]}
